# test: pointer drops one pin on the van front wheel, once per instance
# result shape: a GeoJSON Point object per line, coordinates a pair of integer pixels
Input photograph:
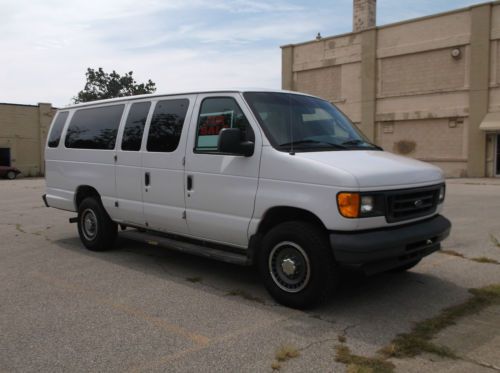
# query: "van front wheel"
{"type": "Point", "coordinates": [96, 229]}
{"type": "Point", "coordinates": [297, 265]}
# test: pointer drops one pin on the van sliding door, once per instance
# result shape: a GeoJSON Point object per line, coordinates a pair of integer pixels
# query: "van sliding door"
{"type": "Point", "coordinates": [163, 165]}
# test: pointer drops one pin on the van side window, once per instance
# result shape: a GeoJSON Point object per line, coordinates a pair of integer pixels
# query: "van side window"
{"type": "Point", "coordinates": [166, 125]}
{"type": "Point", "coordinates": [134, 127]}
{"type": "Point", "coordinates": [216, 114]}
{"type": "Point", "coordinates": [94, 128]}
{"type": "Point", "coordinates": [57, 128]}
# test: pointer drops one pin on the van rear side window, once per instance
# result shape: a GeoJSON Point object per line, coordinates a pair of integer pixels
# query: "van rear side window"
{"type": "Point", "coordinates": [166, 125]}
{"type": "Point", "coordinates": [134, 128]}
{"type": "Point", "coordinates": [56, 130]}
{"type": "Point", "coordinates": [94, 128]}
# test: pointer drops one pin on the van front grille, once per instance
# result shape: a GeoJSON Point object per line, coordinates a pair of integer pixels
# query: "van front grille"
{"type": "Point", "coordinates": [411, 203]}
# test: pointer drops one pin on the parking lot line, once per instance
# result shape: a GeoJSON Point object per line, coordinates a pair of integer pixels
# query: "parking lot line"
{"type": "Point", "coordinates": [198, 339]}
{"type": "Point", "coordinates": [225, 337]}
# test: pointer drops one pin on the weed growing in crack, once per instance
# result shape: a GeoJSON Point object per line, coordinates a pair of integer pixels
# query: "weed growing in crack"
{"type": "Point", "coordinates": [362, 364]}
{"type": "Point", "coordinates": [419, 339]}
{"type": "Point", "coordinates": [483, 259]}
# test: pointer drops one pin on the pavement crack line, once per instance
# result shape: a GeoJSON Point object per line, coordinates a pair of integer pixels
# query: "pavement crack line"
{"type": "Point", "coordinates": [481, 363]}
{"type": "Point", "coordinates": [317, 343]}
{"type": "Point", "coordinates": [346, 329]}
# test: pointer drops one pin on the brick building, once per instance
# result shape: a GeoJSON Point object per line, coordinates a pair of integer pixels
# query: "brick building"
{"type": "Point", "coordinates": [427, 88]}
{"type": "Point", "coordinates": [23, 131]}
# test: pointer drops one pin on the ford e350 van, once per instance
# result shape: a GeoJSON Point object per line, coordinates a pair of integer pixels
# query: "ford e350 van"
{"type": "Point", "coordinates": [278, 179]}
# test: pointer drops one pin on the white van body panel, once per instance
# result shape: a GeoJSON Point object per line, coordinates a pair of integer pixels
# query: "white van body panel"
{"type": "Point", "coordinates": [67, 169]}
{"type": "Point", "coordinates": [378, 169]}
{"type": "Point", "coordinates": [311, 180]}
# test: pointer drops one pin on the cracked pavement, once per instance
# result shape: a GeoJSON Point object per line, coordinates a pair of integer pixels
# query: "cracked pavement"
{"type": "Point", "coordinates": [136, 308]}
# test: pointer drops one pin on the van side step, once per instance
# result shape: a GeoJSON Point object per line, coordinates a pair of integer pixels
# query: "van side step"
{"type": "Point", "coordinates": [186, 247]}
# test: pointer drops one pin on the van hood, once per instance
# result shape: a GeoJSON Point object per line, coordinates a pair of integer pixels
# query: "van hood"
{"type": "Point", "coordinates": [377, 168]}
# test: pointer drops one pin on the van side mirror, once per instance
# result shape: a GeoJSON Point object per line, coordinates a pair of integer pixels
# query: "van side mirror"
{"type": "Point", "coordinates": [230, 142]}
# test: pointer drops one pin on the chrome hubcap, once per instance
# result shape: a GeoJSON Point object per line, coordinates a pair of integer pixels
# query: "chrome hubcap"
{"type": "Point", "coordinates": [89, 224]}
{"type": "Point", "coordinates": [289, 267]}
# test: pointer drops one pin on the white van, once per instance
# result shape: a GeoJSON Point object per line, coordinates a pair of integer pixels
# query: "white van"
{"type": "Point", "coordinates": [278, 179]}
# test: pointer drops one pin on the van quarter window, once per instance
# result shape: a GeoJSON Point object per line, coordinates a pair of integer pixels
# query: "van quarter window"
{"type": "Point", "coordinates": [57, 127]}
{"type": "Point", "coordinates": [134, 128]}
{"type": "Point", "coordinates": [216, 114]}
{"type": "Point", "coordinates": [166, 125]}
{"type": "Point", "coordinates": [94, 128]}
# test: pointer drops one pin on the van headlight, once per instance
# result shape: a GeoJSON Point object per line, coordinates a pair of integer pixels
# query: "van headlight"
{"type": "Point", "coordinates": [359, 205]}
{"type": "Point", "coordinates": [367, 204]}
{"type": "Point", "coordinates": [442, 193]}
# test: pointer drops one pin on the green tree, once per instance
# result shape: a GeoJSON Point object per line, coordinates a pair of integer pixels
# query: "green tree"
{"type": "Point", "coordinates": [101, 85]}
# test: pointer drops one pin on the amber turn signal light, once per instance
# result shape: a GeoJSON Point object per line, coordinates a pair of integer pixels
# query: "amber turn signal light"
{"type": "Point", "coordinates": [348, 204]}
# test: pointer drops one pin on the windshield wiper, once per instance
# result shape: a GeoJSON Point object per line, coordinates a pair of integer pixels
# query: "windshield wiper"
{"type": "Point", "coordinates": [302, 142]}
{"type": "Point", "coordinates": [359, 142]}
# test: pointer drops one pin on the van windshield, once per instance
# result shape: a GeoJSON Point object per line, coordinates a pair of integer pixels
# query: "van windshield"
{"type": "Point", "coordinates": [301, 123]}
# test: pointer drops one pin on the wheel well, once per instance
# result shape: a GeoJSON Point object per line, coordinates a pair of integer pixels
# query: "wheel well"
{"type": "Point", "coordinates": [84, 191]}
{"type": "Point", "coordinates": [282, 214]}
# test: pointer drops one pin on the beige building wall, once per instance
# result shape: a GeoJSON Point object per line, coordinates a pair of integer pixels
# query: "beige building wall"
{"type": "Point", "coordinates": [420, 88]}
{"type": "Point", "coordinates": [23, 130]}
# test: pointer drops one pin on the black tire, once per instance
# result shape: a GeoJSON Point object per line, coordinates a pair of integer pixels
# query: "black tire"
{"type": "Point", "coordinates": [11, 175]}
{"type": "Point", "coordinates": [406, 267]}
{"type": "Point", "coordinates": [297, 265]}
{"type": "Point", "coordinates": [96, 229]}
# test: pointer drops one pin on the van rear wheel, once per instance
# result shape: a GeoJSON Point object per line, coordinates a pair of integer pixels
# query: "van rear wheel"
{"type": "Point", "coordinates": [297, 265]}
{"type": "Point", "coordinates": [96, 229]}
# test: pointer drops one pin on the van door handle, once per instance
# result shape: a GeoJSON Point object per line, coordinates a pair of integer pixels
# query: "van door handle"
{"type": "Point", "coordinates": [147, 179]}
{"type": "Point", "coordinates": [190, 182]}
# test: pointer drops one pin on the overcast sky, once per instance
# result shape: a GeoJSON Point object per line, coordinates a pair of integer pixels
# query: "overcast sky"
{"type": "Point", "coordinates": [47, 45]}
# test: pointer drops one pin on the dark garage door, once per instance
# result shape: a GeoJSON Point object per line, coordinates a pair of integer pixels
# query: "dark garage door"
{"type": "Point", "coordinates": [4, 157]}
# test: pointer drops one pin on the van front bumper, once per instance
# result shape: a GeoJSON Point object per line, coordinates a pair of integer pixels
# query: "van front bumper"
{"type": "Point", "coordinates": [387, 248]}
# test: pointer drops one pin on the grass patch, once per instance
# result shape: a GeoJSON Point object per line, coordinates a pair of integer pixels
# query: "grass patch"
{"type": "Point", "coordinates": [419, 339]}
{"type": "Point", "coordinates": [494, 240]}
{"type": "Point", "coordinates": [483, 259]}
{"type": "Point", "coordinates": [194, 279]}
{"type": "Point", "coordinates": [243, 294]}
{"type": "Point", "coordinates": [275, 365]}
{"type": "Point", "coordinates": [286, 352]}
{"type": "Point", "coordinates": [362, 364]}
{"type": "Point", "coordinates": [453, 253]}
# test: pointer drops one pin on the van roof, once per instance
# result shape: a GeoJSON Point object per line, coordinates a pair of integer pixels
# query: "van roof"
{"type": "Point", "coordinates": [153, 95]}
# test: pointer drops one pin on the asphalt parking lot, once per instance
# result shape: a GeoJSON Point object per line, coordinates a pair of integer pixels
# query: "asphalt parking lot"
{"type": "Point", "coordinates": [142, 308]}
